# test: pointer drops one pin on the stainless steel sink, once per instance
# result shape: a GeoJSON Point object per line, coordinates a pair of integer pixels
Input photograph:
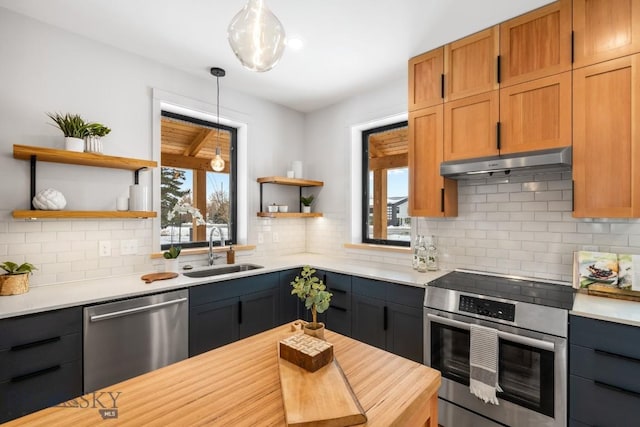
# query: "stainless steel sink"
{"type": "Point", "coordinates": [226, 269]}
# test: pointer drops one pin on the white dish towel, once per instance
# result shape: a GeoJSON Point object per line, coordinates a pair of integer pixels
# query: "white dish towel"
{"type": "Point", "coordinates": [483, 360]}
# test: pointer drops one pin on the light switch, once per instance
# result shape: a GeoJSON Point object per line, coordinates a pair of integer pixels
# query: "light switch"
{"type": "Point", "coordinates": [104, 248]}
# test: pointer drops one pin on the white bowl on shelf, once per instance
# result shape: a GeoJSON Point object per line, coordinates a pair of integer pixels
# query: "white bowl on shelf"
{"type": "Point", "coordinates": [283, 208]}
{"type": "Point", "coordinates": [272, 208]}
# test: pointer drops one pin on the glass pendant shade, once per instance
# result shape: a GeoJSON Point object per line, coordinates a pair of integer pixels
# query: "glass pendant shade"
{"type": "Point", "coordinates": [217, 164]}
{"type": "Point", "coordinates": [256, 36]}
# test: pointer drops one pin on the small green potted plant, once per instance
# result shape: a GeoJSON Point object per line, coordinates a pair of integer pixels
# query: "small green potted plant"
{"type": "Point", "coordinates": [93, 138]}
{"type": "Point", "coordinates": [16, 281]}
{"type": "Point", "coordinates": [306, 203]}
{"type": "Point", "coordinates": [73, 127]}
{"type": "Point", "coordinates": [312, 291]}
{"type": "Point", "coordinates": [171, 259]}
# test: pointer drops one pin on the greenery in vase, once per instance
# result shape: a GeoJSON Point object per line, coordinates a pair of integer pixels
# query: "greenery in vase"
{"type": "Point", "coordinates": [97, 129]}
{"type": "Point", "coordinates": [306, 201]}
{"type": "Point", "coordinates": [71, 125]}
{"type": "Point", "coordinates": [12, 268]}
{"type": "Point", "coordinates": [312, 291]}
{"type": "Point", "coordinates": [172, 253]}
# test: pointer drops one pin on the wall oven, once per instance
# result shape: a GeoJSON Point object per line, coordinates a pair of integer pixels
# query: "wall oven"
{"type": "Point", "coordinates": [530, 318]}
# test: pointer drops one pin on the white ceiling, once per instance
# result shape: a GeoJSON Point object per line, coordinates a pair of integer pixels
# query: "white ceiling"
{"type": "Point", "coordinates": [351, 46]}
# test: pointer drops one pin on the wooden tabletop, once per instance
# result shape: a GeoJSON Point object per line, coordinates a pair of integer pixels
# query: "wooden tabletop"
{"type": "Point", "coordinates": [239, 385]}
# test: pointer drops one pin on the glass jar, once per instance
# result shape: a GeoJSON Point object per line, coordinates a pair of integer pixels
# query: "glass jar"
{"type": "Point", "coordinates": [416, 245]}
{"type": "Point", "coordinates": [432, 255]}
{"type": "Point", "coordinates": [422, 256]}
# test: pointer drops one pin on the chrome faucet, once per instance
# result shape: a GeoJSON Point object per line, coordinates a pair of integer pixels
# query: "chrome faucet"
{"type": "Point", "coordinates": [213, 257]}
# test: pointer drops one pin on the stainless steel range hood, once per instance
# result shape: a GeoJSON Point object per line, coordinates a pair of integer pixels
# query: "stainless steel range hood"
{"type": "Point", "coordinates": [553, 160]}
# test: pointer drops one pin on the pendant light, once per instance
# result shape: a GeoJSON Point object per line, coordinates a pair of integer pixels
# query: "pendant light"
{"type": "Point", "coordinates": [217, 164]}
{"type": "Point", "coordinates": [256, 36]}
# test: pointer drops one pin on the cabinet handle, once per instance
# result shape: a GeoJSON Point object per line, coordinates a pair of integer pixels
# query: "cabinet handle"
{"type": "Point", "coordinates": [35, 374]}
{"type": "Point", "coordinates": [616, 388]}
{"type": "Point", "coordinates": [340, 291]}
{"type": "Point", "coordinates": [442, 200]}
{"type": "Point", "coordinates": [385, 317]}
{"type": "Point", "coordinates": [239, 311]}
{"type": "Point", "coordinates": [573, 47]}
{"type": "Point", "coordinates": [498, 135]}
{"type": "Point", "coordinates": [618, 356]}
{"type": "Point", "coordinates": [324, 279]}
{"type": "Point", "coordinates": [498, 68]}
{"type": "Point", "coordinates": [337, 308]}
{"type": "Point", "coordinates": [442, 86]}
{"type": "Point", "coordinates": [34, 344]}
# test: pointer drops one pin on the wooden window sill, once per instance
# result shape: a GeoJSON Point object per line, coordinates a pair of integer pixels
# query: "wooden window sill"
{"type": "Point", "coordinates": [205, 250]}
{"type": "Point", "coordinates": [382, 248]}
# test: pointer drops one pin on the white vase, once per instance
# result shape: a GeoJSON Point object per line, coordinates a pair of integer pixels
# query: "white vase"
{"type": "Point", "coordinates": [74, 144]}
{"type": "Point", "coordinates": [171, 265]}
{"type": "Point", "coordinates": [306, 209]}
{"type": "Point", "coordinates": [139, 198]}
{"type": "Point", "coordinates": [93, 144]}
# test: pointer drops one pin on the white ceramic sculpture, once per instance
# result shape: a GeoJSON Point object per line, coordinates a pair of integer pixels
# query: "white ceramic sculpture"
{"type": "Point", "coordinates": [49, 200]}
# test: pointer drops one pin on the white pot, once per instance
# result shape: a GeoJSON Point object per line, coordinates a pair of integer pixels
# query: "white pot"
{"type": "Point", "coordinates": [171, 265]}
{"type": "Point", "coordinates": [74, 144]}
{"type": "Point", "coordinates": [306, 209]}
{"type": "Point", "coordinates": [93, 144]}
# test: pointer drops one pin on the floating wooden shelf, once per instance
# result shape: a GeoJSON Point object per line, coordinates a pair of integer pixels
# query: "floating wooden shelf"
{"type": "Point", "coordinates": [289, 215]}
{"type": "Point", "coordinates": [40, 214]}
{"type": "Point", "coordinates": [290, 181]}
{"type": "Point", "coordinates": [24, 152]}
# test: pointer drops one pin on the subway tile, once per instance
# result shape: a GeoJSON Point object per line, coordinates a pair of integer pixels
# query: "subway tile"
{"type": "Point", "coordinates": [70, 256]}
{"type": "Point", "coordinates": [545, 196]}
{"type": "Point", "coordinates": [12, 238]}
{"type": "Point", "coordinates": [521, 235]}
{"type": "Point", "coordinates": [535, 206]}
{"type": "Point", "coordinates": [23, 249]}
{"type": "Point", "coordinates": [498, 216]}
{"type": "Point", "coordinates": [498, 197]}
{"type": "Point", "coordinates": [548, 237]}
{"type": "Point", "coordinates": [25, 227]}
{"type": "Point", "coordinates": [611, 239]}
{"type": "Point", "coordinates": [521, 197]}
{"type": "Point", "coordinates": [562, 227]}
{"type": "Point", "coordinates": [560, 206]}
{"type": "Point", "coordinates": [548, 216]}
{"type": "Point", "coordinates": [534, 247]}
{"type": "Point", "coordinates": [510, 207]}
{"type": "Point", "coordinates": [521, 216]}
{"type": "Point", "coordinates": [85, 225]}
{"type": "Point", "coordinates": [56, 226]}
{"type": "Point", "coordinates": [56, 267]}
{"type": "Point", "coordinates": [485, 189]}
{"type": "Point", "coordinates": [578, 238]}
{"type": "Point", "coordinates": [563, 184]}
{"type": "Point", "coordinates": [534, 226]}
{"type": "Point", "coordinates": [70, 276]}
{"type": "Point", "coordinates": [535, 186]}
{"type": "Point", "coordinates": [49, 236]}
{"type": "Point", "coordinates": [594, 227]}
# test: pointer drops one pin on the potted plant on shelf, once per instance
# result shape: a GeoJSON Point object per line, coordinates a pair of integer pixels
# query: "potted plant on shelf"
{"type": "Point", "coordinates": [93, 138]}
{"type": "Point", "coordinates": [312, 291]}
{"type": "Point", "coordinates": [16, 281]}
{"type": "Point", "coordinates": [306, 203]}
{"type": "Point", "coordinates": [171, 259]}
{"type": "Point", "coordinates": [74, 129]}
{"type": "Point", "coordinates": [180, 208]}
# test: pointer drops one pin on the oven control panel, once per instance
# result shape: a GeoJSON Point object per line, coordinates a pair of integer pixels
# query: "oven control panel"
{"type": "Point", "coordinates": [486, 307]}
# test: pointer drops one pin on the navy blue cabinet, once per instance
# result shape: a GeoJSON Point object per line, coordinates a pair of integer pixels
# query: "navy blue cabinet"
{"type": "Point", "coordinates": [290, 305]}
{"type": "Point", "coordinates": [337, 318]}
{"type": "Point", "coordinates": [223, 312]}
{"type": "Point", "coordinates": [604, 373]}
{"type": "Point", "coordinates": [40, 361]}
{"type": "Point", "coordinates": [388, 316]}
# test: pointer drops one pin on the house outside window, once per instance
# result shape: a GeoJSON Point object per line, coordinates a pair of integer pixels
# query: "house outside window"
{"type": "Point", "coordinates": [188, 145]}
{"type": "Point", "coordinates": [385, 184]}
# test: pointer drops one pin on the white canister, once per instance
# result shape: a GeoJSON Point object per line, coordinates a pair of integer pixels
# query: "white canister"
{"type": "Point", "coordinates": [139, 198]}
{"type": "Point", "coordinates": [122, 204]}
{"type": "Point", "coordinates": [73, 144]}
{"type": "Point", "coordinates": [296, 165]}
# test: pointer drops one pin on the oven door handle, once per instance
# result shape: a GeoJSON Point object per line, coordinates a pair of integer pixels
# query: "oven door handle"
{"type": "Point", "coordinates": [531, 342]}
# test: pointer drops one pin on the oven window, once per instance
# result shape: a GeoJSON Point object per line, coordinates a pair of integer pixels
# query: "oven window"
{"type": "Point", "coordinates": [526, 376]}
{"type": "Point", "coordinates": [450, 352]}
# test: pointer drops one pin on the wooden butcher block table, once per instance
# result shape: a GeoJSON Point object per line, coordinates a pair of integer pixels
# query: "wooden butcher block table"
{"type": "Point", "coordinates": [239, 385]}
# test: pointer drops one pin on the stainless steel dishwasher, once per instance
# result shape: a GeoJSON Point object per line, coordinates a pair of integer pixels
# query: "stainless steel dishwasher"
{"type": "Point", "coordinates": [126, 338]}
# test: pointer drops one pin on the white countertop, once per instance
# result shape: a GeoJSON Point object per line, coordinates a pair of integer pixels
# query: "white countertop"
{"type": "Point", "coordinates": [51, 297]}
{"type": "Point", "coordinates": [609, 309]}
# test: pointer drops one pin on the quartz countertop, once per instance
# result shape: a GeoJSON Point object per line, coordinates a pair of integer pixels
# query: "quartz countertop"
{"type": "Point", "coordinates": [83, 292]}
{"type": "Point", "coordinates": [609, 309]}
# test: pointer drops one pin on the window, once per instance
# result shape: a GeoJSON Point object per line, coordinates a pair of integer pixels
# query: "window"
{"type": "Point", "coordinates": [187, 147]}
{"type": "Point", "coordinates": [385, 181]}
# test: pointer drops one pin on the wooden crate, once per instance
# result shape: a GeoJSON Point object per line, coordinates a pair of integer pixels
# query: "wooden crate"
{"type": "Point", "coordinates": [306, 351]}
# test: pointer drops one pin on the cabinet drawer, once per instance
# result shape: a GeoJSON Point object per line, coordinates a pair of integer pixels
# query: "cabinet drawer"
{"type": "Point", "coordinates": [611, 337]}
{"type": "Point", "coordinates": [340, 286]}
{"type": "Point", "coordinates": [411, 296]}
{"type": "Point", "coordinates": [599, 405]}
{"type": "Point", "coordinates": [37, 327]}
{"type": "Point", "coordinates": [22, 360]}
{"type": "Point", "coordinates": [370, 288]}
{"type": "Point", "coordinates": [339, 320]}
{"type": "Point", "coordinates": [610, 368]}
{"type": "Point", "coordinates": [30, 394]}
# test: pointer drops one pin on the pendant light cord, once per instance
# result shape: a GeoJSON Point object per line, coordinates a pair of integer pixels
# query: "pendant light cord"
{"type": "Point", "coordinates": [218, 112]}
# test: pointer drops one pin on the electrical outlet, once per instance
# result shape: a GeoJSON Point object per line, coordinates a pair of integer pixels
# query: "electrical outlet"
{"type": "Point", "coordinates": [128, 247]}
{"type": "Point", "coordinates": [104, 248]}
{"type": "Point", "coordinates": [275, 237]}
{"type": "Point", "coordinates": [260, 238]}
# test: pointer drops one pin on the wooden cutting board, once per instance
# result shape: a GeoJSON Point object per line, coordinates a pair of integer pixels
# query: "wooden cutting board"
{"type": "Point", "coordinates": [152, 277]}
{"type": "Point", "coordinates": [321, 398]}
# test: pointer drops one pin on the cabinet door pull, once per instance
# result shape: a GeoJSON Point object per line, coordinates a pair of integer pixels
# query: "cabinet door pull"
{"type": "Point", "coordinates": [337, 308]}
{"type": "Point", "coordinates": [616, 388]}
{"type": "Point", "coordinates": [385, 317]}
{"type": "Point", "coordinates": [340, 291]}
{"type": "Point", "coordinates": [239, 311]}
{"type": "Point", "coordinates": [498, 69]}
{"type": "Point", "coordinates": [618, 356]}
{"type": "Point", "coordinates": [34, 344]}
{"type": "Point", "coordinates": [498, 136]}
{"type": "Point", "coordinates": [442, 200]}
{"type": "Point", "coordinates": [573, 47]}
{"type": "Point", "coordinates": [35, 374]}
{"type": "Point", "coordinates": [442, 86]}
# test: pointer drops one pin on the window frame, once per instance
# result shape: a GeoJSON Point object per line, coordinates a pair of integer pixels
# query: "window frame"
{"type": "Point", "coordinates": [365, 185]}
{"type": "Point", "coordinates": [233, 177]}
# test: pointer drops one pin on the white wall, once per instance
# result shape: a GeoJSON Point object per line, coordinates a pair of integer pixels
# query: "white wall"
{"type": "Point", "coordinates": [45, 69]}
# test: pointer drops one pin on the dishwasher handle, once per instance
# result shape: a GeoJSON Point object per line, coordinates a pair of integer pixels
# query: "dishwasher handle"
{"type": "Point", "coordinates": [128, 311]}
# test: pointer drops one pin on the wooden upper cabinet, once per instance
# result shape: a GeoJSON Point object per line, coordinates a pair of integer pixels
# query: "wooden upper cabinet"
{"type": "Point", "coordinates": [470, 64]}
{"type": "Point", "coordinates": [425, 79]}
{"type": "Point", "coordinates": [605, 29]}
{"type": "Point", "coordinates": [536, 115]}
{"type": "Point", "coordinates": [606, 139]}
{"type": "Point", "coordinates": [470, 126]}
{"type": "Point", "coordinates": [430, 194]}
{"type": "Point", "coordinates": [536, 44]}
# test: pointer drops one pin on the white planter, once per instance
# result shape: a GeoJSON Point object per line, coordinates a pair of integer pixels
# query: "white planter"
{"type": "Point", "coordinates": [93, 144]}
{"type": "Point", "coordinates": [171, 265]}
{"type": "Point", "coordinates": [306, 209]}
{"type": "Point", "coordinates": [74, 144]}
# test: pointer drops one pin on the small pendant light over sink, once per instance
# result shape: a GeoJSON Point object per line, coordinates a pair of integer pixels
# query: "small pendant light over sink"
{"type": "Point", "coordinates": [256, 36]}
{"type": "Point", "coordinates": [217, 164]}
